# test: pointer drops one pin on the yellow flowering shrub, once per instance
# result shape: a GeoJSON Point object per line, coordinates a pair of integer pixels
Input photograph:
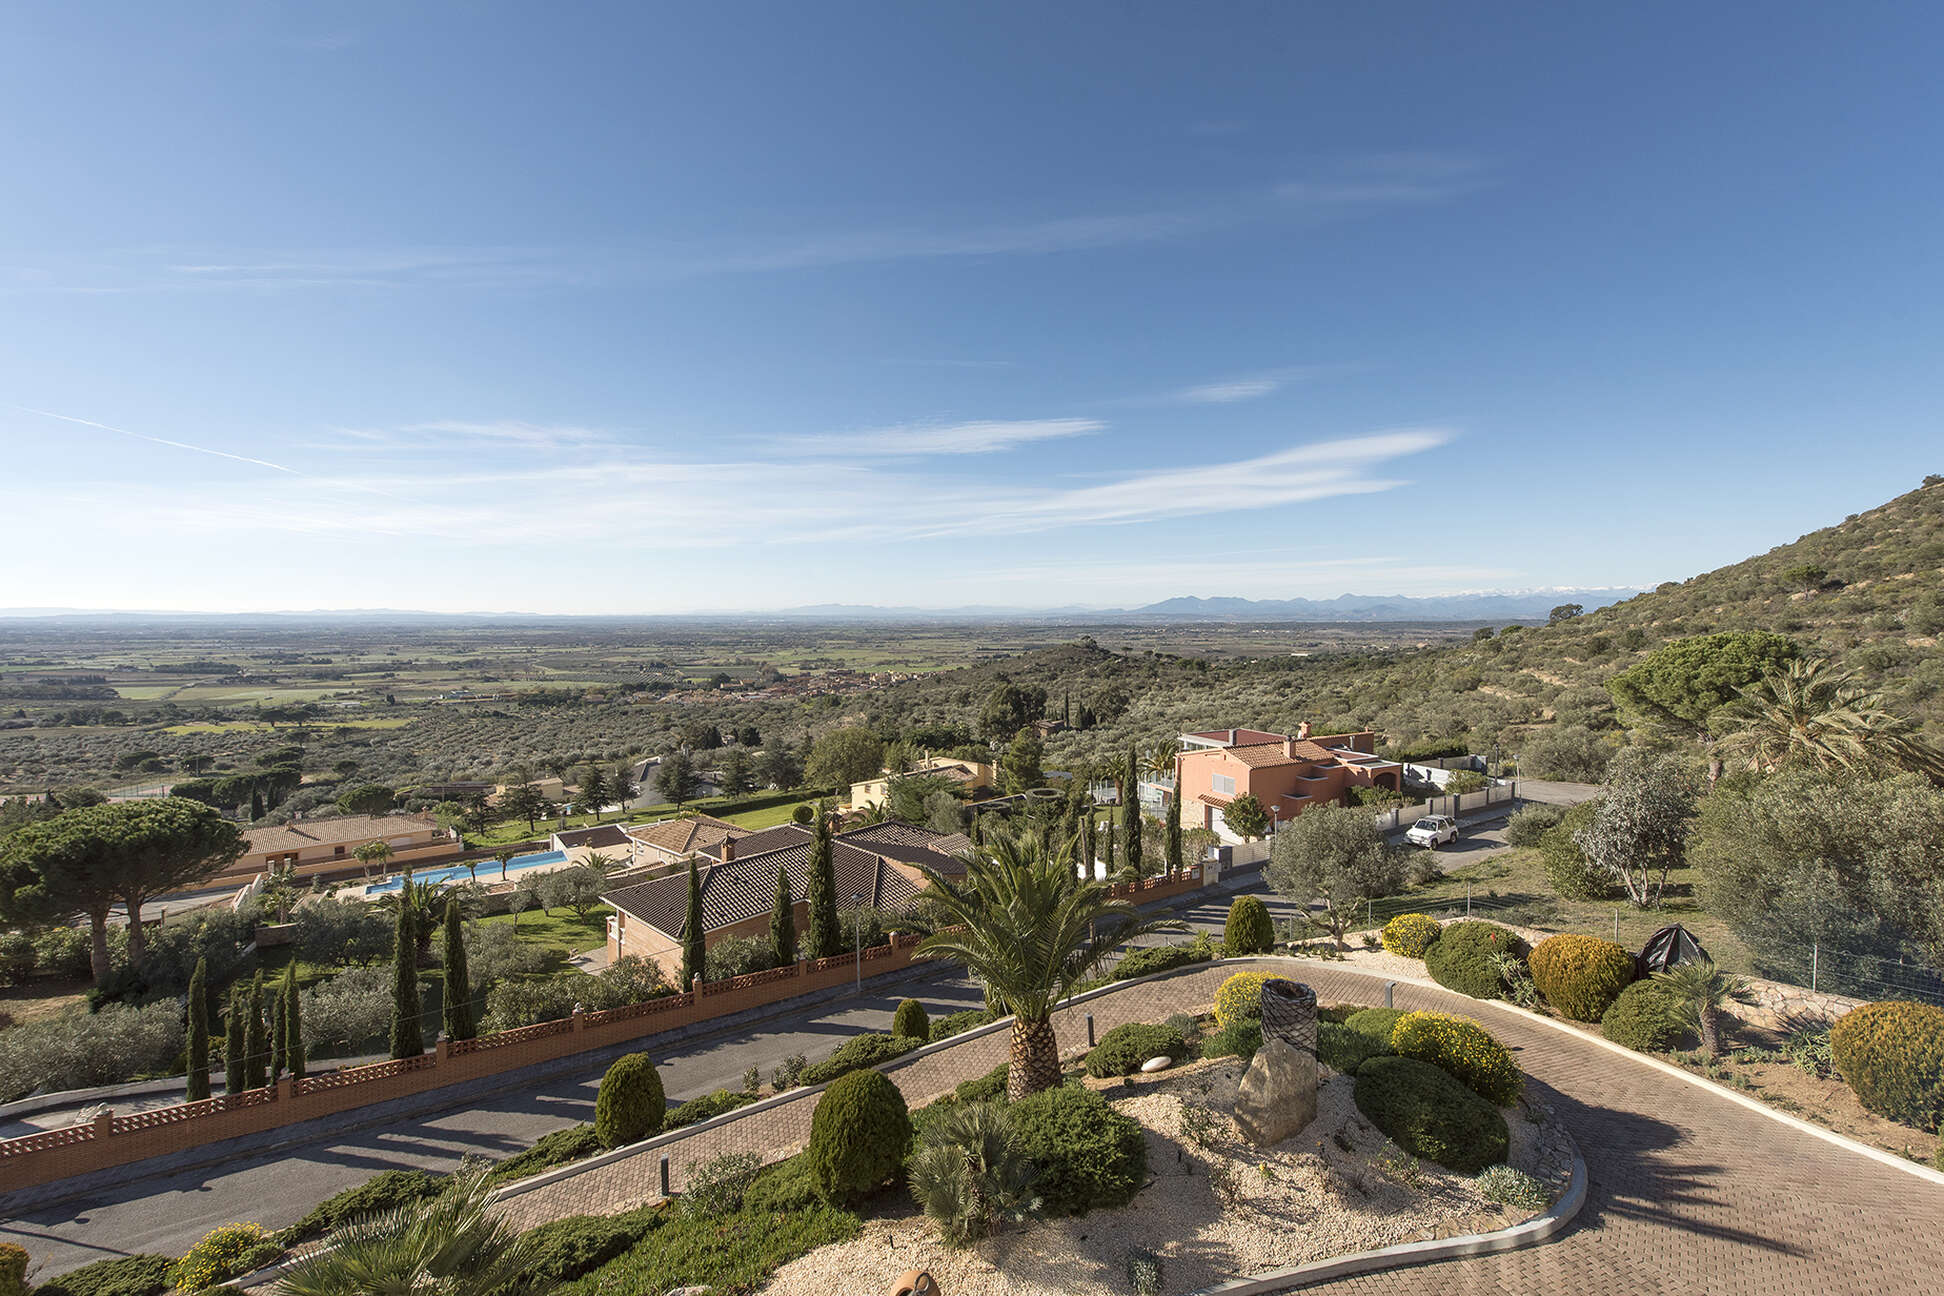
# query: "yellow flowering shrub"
{"type": "Point", "coordinates": [13, 1270]}
{"type": "Point", "coordinates": [1892, 1055]}
{"type": "Point", "coordinates": [1411, 934]}
{"type": "Point", "coordinates": [219, 1256]}
{"type": "Point", "coordinates": [1240, 996]}
{"type": "Point", "coordinates": [1581, 976]}
{"type": "Point", "coordinates": [1461, 1047]}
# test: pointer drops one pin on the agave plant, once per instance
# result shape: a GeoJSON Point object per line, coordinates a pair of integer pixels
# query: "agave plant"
{"type": "Point", "coordinates": [451, 1245]}
{"type": "Point", "coordinates": [1028, 929]}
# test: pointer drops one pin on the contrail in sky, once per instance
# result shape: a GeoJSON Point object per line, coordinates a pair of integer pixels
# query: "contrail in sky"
{"type": "Point", "coordinates": [143, 436]}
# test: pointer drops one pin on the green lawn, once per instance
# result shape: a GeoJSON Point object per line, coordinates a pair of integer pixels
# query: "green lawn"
{"type": "Point", "coordinates": [769, 817]}
{"type": "Point", "coordinates": [1512, 888]}
{"type": "Point", "coordinates": [560, 933]}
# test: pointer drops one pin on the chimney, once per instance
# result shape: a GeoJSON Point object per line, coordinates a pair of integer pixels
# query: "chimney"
{"type": "Point", "coordinates": [1231, 741]}
{"type": "Point", "coordinates": [728, 849]}
{"type": "Point", "coordinates": [1289, 748]}
{"type": "Point", "coordinates": [1302, 732]}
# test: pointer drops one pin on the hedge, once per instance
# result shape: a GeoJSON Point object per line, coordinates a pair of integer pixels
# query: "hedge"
{"type": "Point", "coordinates": [1089, 1155]}
{"type": "Point", "coordinates": [630, 1103]}
{"type": "Point", "coordinates": [1461, 1047]}
{"type": "Point", "coordinates": [1581, 976]}
{"type": "Point", "coordinates": [1642, 1018]}
{"type": "Point", "coordinates": [1431, 1115]}
{"type": "Point", "coordinates": [990, 1087]}
{"type": "Point", "coordinates": [707, 1107]}
{"type": "Point", "coordinates": [1378, 1023]}
{"type": "Point", "coordinates": [1122, 1050]}
{"type": "Point", "coordinates": [1163, 958]}
{"type": "Point", "coordinates": [1343, 1050]}
{"type": "Point", "coordinates": [381, 1192]}
{"type": "Point", "coordinates": [562, 1147]}
{"type": "Point", "coordinates": [1248, 929]}
{"type": "Point", "coordinates": [1461, 959]}
{"type": "Point", "coordinates": [564, 1249]}
{"type": "Point", "coordinates": [859, 1136]}
{"type": "Point", "coordinates": [135, 1275]}
{"type": "Point", "coordinates": [1892, 1055]}
{"type": "Point", "coordinates": [858, 1053]}
{"type": "Point", "coordinates": [960, 1022]}
{"type": "Point", "coordinates": [1411, 934]}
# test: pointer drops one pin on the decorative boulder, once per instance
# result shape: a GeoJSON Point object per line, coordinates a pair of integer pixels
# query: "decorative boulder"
{"type": "Point", "coordinates": [1278, 1094]}
{"type": "Point", "coordinates": [1161, 1063]}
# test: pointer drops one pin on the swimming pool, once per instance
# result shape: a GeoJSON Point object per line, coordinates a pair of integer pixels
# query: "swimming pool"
{"type": "Point", "coordinates": [488, 871]}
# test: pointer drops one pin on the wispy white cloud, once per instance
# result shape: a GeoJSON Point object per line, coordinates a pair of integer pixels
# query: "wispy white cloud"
{"type": "Point", "coordinates": [509, 435]}
{"type": "Point", "coordinates": [980, 436]}
{"type": "Point", "coordinates": [1227, 393]}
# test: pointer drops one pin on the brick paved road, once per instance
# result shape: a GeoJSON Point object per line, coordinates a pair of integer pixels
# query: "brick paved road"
{"type": "Point", "coordinates": [1688, 1192]}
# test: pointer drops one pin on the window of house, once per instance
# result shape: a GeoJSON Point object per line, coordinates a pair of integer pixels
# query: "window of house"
{"type": "Point", "coordinates": [1224, 784]}
{"type": "Point", "coordinates": [340, 850]}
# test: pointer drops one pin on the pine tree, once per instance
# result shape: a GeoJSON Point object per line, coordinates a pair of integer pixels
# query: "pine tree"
{"type": "Point", "coordinates": [293, 1026]}
{"type": "Point", "coordinates": [783, 921]}
{"type": "Point", "coordinates": [1131, 817]}
{"type": "Point", "coordinates": [695, 937]}
{"type": "Point", "coordinates": [407, 1039]}
{"type": "Point", "coordinates": [825, 939]}
{"type": "Point", "coordinates": [256, 1039]}
{"type": "Point", "coordinates": [1172, 810]}
{"type": "Point", "coordinates": [199, 1032]}
{"type": "Point", "coordinates": [593, 792]}
{"type": "Point", "coordinates": [233, 1045]}
{"type": "Point", "coordinates": [459, 1023]}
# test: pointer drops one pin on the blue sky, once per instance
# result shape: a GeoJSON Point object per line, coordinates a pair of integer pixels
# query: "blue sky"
{"type": "Point", "coordinates": [625, 308]}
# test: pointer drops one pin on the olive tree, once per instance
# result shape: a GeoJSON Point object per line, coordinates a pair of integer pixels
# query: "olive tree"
{"type": "Point", "coordinates": [1337, 857]}
{"type": "Point", "coordinates": [1639, 829]}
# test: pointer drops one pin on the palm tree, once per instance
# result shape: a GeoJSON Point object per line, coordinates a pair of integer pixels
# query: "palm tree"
{"type": "Point", "coordinates": [1700, 992]}
{"type": "Point", "coordinates": [452, 1245]}
{"type": "Point", "coordinates": [505, 856]}
{"type": "Point", "coordinates": [1027, 928]}
{"type": "Point", "coordinates": [1811, 710]}
{"type": "Point", "coordinates": [372, 854]}
{"type": "Point", "coordinates": [1159, 758]}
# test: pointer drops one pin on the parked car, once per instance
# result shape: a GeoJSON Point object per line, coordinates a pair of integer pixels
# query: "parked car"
{"type": "Point", "coordinates": [1432, 831]}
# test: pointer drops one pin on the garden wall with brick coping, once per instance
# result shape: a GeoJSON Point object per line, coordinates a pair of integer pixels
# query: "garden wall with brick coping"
{"type": "Point", "coordinates": [110, 1140]}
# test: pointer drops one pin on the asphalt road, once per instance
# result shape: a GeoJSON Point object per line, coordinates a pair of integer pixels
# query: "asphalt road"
{"type": "Point", "coordinates": [169, 1212]}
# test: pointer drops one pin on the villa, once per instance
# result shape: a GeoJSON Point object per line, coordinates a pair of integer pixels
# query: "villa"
{"type": "Point", "coordinates": [330, 846]}
{"type": "Point", "coordinates": [1286, 774]}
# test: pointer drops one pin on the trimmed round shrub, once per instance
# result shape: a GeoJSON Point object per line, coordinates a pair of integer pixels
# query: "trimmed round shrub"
{"type": "Point", "coordinates": [218, 1256]}
{"type": "Point", "coordinates": [1461, 1047]}
{"type": "Point", "coordinates": [1378, 1023]}
{"type": "Point", "coordinates": [1643, 1018]}
{"type": "Point", "coordinates": [1431, 1115]}
{"type": "Point", "coordinates": [859, 1136]}
{"type": "Point", "coordinates": [1248, 930]}
{"type": "Point", "coordinates": [1164, 958]}
{"type": "Point", "coordinates": [1122, 1050]}
{"type": "Point", "coordinates": [1567, 869]}
{"type": "Point", "coordinates": [1344, 1050]}
{"type": "Point", "coordinates": [1461, 959]}
{"type": "Point", "coordinates": [136, 1275]}
{"type": "Point", "coordinates": [1581, 976]}
{"type": "Point", "coordinates": [1089, 1155]}
{"type": "Point", "coordinates": [1892, 1055]}
{"type": "Point", "coordinates": [1411, 934]}
{"type": "Point", "coordinates": [1240, 996]}
{"type": "Point", "coordinates": [911, 1021]}
{"type": "Point", "coordinates": [630, 1104]}
{"type": "Point", "coordinates": [1531, 823]}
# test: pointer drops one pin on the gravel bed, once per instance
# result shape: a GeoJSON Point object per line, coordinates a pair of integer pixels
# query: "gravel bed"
{"type": "Point", "coordinates": [1337, 1187]}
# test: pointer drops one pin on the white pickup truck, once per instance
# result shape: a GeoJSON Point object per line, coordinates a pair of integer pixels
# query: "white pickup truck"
{"type": "Point", "coordinates": [1432, 831]}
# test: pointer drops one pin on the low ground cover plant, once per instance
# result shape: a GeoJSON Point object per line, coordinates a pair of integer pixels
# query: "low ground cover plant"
{"type": "Point", "coordinates": [1462, 958]}
{"type": "Point", "coordinates": [1581, 976]}
{"type": "Point", "coordinates": [1892, 1056]}
{"type": "Point", "coordinates": [382, 1192]}
{"type": "Point", "coordinates": [707, 1107]}
{"type": "Point", "coordinates": [1429, 1114]}
{"type": "Point", "coordinates": [1411, 934]}
{"type": "Point", "coordinates": [1509, 1187]}
{"type": "Point", "coordinates": [1088, 1155]}
{"type": "Point", "coordinates": [223, 1253]}
{"type": "Point", "coordinates": [1343, 1050]}
{"type": "Point", "coordinates": [1462, 1048]}
{"type": "Point", "coordinates": [564, 1249]}
{"type": "Point", "coordinates": [960, 1022]}
{"type": "Point", "coordinates": [1164, 958]}
{"type": "Point", "coordinates": [136, 1275]}
{"type": "Point", "coordinates": [562, 1147]}
{"type": "Point", "coordinates": [1122, 1050]}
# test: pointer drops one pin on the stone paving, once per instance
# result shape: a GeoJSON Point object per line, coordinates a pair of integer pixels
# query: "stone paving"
{"type": "Point", "coordinates": [1688, 1191]}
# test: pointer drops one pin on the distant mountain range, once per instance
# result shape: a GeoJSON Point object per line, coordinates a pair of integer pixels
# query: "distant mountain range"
{"type": "Point", "coordinates": [1531, 605]}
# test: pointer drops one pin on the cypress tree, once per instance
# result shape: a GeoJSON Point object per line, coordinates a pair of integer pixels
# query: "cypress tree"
{"type": "Point", "coordinates": [1131, 818]}
{"type": "Point", "coordinates": [273, 1007]}
{"type": "Point", "coordinates": [1089, 838]}
{"type": "Point", "coordinates": [407, 1039]}
{"type": "Point", "coordinates": [825, 939]}
{"type": "Point", "coordinates": [1172, 808]}
{"type": "Point", "coordinates": [256, 1039]}
{"type": "Point", "coordinates": [256, 805]}
{"type": "Point", "coordinates": [783, 921]}
{"type": "Point", "coordinates": [1107, 849]}
{"type": "Point", "coordinates": [293, 1026]}
{"type": "Point", "coordinates": [199, 1032]}
{"type": "Point", "coordinates": [459, 1024]}
{"type": "Point", "coordinates": [233, 1046]}
{"type": "Point", "coordinates": [695, 937]}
